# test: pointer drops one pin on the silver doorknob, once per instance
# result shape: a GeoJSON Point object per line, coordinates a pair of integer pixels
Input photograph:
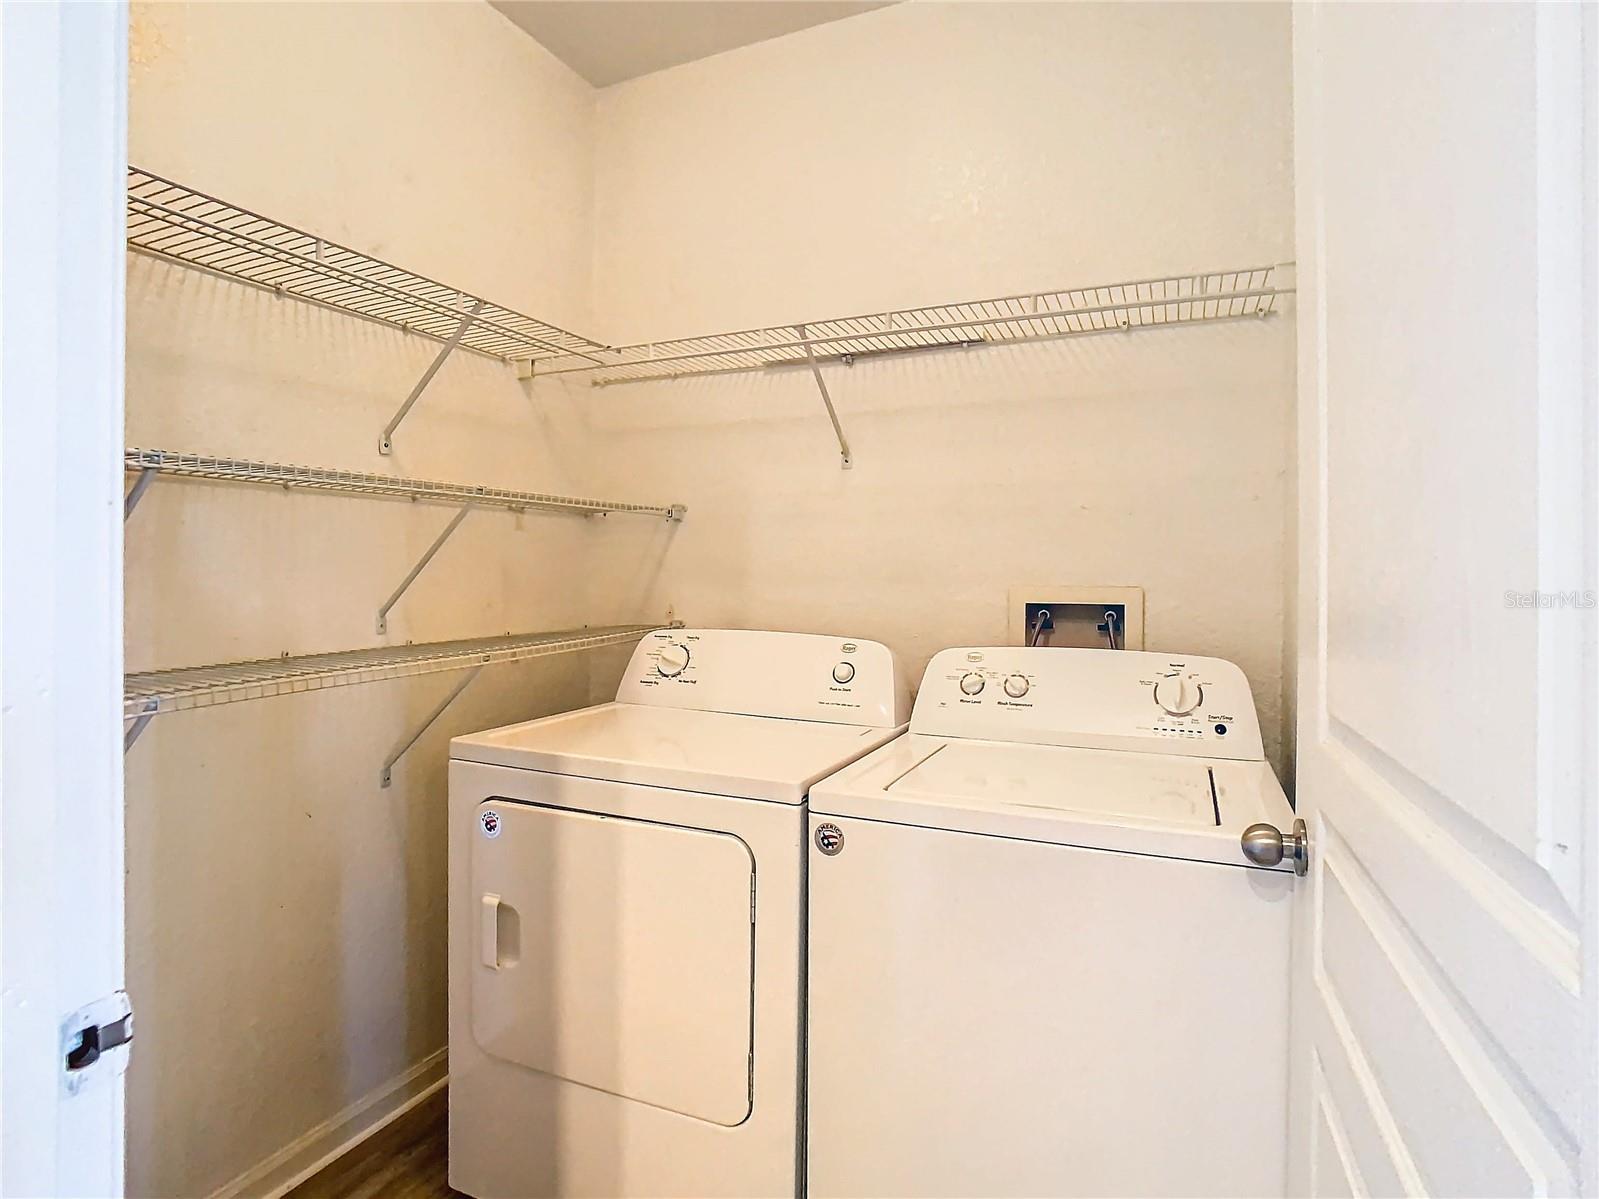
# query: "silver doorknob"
{"type": "Point", "coordinates": [1265, 845]}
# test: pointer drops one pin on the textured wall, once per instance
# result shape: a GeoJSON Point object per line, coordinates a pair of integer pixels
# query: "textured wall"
{"type": "Point", "coordinates": [286, 916]}
{"type": "Point", "coordinates": [936, 152]}
{"type": "Point", "coordinates": [286, 926]}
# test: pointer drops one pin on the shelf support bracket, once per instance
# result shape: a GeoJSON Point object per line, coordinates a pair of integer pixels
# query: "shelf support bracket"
{"type": "Point", "coordinates": [386, 443]}
{"type": "Point", "coordinates": [136, 492]}
{"type": "Point", "coordinates": [832, 413]}
{"type": "Point", "coordinates": [427, 723]}
{"type": "Point", "coordinates": [421, 565]}
{"type": "Point", "coordinates": [137, 727]}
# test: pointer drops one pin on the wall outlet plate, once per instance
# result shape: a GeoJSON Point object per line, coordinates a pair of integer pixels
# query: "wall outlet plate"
{"type": "Point", "coordinates": [1077, 611]}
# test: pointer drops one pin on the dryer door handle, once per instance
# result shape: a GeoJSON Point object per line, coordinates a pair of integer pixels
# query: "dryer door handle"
{"type": "Point", "coordinates": [489, 931]}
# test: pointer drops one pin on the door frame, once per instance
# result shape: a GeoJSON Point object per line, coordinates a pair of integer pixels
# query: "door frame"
{"type": "Point", "coordinates": [63, 159]}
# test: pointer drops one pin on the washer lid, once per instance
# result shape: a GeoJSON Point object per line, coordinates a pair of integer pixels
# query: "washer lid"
{"type": "Point", "coordinates": [753, 757]}
{"type": "Point", "coordinates": [1156, 804]}
{"type": "Point", "coordinates": [1137, 788]}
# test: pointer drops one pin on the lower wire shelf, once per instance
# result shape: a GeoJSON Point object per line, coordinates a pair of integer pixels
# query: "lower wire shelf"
{"type": "Point", "coordinates": [151, 693]}
{"type": "Point", "coordinates": [155, 692]}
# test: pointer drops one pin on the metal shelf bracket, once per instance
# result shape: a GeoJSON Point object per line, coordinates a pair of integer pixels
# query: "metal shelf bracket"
{"type": "Point", "coordinates": [386, 442]}
{"type": "Point", "coordinates": [387, 776]}
{"type": "Point", "coordinates": [136, 492]}
{"type": "Point", "coordinates": [143, 718]}
{"type": "Point", "coordinates": [421, 565]}
{"type": "Point", "coordinates": [846, 461]}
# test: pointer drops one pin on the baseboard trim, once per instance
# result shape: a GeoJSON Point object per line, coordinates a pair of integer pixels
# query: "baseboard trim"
{"type": "Point", "coordinates": [334, 1137]}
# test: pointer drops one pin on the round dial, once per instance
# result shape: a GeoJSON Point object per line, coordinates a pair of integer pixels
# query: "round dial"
{"type": "Point", "coordinates": [1178, 696]}
{"type": "Point", "coordinates": [672, 660]}
{"type": "Point", "coordinates": [1017, 686]}
{"type": "Point", "coordinates": [972, 683]}
{"type": "Point", "coordinates": [843, 672]}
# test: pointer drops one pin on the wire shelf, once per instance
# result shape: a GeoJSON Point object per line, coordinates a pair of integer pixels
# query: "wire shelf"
{"type": "Point", "coordinates": [238, 470]}
{"type": "Point", "coordinates": [1034, 316]}
{"type": "Point", "coordinates": [178, 224]}
{"type": "Point", "coordinates": [160, 691]}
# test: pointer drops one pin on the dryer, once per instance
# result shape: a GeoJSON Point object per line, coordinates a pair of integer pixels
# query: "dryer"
{"type": "Point", "coordinates": [626, 919]}
{"type": "Point", "coordinates": [1040, 962]}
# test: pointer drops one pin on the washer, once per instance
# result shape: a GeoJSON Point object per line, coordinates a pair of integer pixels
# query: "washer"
{"type": "Point", "coordinates": [626, 919]}
{"type": "Point", "coordinates": [1039, 961]}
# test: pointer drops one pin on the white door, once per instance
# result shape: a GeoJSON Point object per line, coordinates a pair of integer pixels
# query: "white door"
{"type": "Point", "coordinates": [1445, 987]}
{"type": "Point", "coordinates": [63, 84]}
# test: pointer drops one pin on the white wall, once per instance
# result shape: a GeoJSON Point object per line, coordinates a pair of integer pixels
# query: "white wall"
{"type": "Point", "coordinates": [286, 915]}
{"type": "Point", "coordinates": [937, 152]}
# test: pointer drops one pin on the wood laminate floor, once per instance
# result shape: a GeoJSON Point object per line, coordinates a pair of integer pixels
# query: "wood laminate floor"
{"type": "Point", "coordinates": [406, 1160]}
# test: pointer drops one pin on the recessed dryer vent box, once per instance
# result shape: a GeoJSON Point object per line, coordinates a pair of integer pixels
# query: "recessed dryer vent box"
{"type": "Point", "coordinates": [1077, 615]}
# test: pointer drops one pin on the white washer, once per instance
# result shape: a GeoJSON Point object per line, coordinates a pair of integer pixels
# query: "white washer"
{"type": "Point", "coordinates": [626, 919]}
{"type": "Point", "coordinates": [1039, 963]}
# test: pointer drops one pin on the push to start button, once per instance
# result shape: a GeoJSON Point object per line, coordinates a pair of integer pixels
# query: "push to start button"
{"type": "Point", "coordinates": [843, 672]}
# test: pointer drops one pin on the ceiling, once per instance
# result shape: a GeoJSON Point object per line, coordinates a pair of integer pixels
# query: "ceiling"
{"type": "Point", "coordinates": [607, 41]}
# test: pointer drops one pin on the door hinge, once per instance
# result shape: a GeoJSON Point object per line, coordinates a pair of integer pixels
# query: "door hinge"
{"type": "Point", "coordinates": [752, 899]}
{"type": "Point", "coordinates": [96, 1041]}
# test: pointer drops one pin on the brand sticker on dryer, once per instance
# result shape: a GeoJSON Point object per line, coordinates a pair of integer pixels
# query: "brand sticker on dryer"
{"type": "Point", "coordinates": [491, 823]}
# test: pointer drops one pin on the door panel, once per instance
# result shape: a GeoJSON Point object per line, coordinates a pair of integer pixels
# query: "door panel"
{"type": "Point", "coordinates": [1333, 1164]}
{"type": "Point", "coordinates": [1444, 1032]}
{"type": "Point", "coordinates": [1351, 1143]}
{"type": "Point", "coordinates": [616, 953]}
{"type": "Point", "coordinates": [1466, 1130]}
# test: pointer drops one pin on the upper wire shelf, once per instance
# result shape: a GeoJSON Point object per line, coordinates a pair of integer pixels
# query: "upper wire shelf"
{"type": "Point", "coordinates": [179, 224]}
{"type": "Point", "coordinates": [159, 691]}
{"type": "Point", "coordinates": [1008, 320]}
{"type": "Point", "coordinates": [237, 470]}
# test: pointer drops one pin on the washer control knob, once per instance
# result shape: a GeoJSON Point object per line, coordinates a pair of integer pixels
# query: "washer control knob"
{"type": "Point", "coordinates": [843, 672]}
{"type": "Point", "coordinates": [672, 660]}
{"type": "Point", "coordinates": [972, 683]}
{"type": "Point", "coordinates": [1178, 696]}
{"type": "Point", "coordinates": [1017, 686]}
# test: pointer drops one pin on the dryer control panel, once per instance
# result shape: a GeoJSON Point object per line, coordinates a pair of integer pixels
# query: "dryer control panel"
{"type": "Point", "coordinates": [1094, 698]}
{"type": "Point", "coordinates": [797, 676]}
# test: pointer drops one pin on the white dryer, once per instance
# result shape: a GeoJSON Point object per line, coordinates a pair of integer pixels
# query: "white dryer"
{"type": "Point", "coordinates": [627, 919]}
{"type": "Point", "coordinates": [1040, 962]}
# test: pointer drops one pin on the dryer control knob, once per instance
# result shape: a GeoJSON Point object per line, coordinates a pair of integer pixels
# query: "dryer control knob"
{"type": "Point", "coordinates": [672, 660]}
{"type": "Point", "coordinates": [1177, 695]}
{"type": "Point", "coordinates": [972, 683]}
{"type": "Point", "coordinates": [1017, 686]}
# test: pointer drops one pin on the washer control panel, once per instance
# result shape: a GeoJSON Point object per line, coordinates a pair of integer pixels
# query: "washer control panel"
{"type": "Point", "coordinates": [1095, 698]}
{"type": "Point", "coordinates": [801, 676]}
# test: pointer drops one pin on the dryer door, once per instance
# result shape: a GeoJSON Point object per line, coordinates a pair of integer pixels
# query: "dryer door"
{"type": "Point", "coordinates": [616, 953]}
